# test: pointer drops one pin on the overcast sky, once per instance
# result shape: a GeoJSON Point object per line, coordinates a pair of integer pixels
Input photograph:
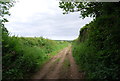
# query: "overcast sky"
{"type": "Point", "coordinates": [35, 18]}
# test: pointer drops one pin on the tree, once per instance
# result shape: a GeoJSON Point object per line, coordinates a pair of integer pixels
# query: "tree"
{"type": "Point", "coordinates": [4, 10]}
{"type": "Point", "coordinates": [97, 49]}
{"type": "Point", "coordinates": [90, 9]}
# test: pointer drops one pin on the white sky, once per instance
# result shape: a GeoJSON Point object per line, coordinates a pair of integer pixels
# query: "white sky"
{"type": "Point", "coordinates": [35, 18]}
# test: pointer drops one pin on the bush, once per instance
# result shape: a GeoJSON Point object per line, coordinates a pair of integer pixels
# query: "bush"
{"type": "Point", "coordinates": [99, 53]}
{"type": "Point", "coordinates": [24, 56]}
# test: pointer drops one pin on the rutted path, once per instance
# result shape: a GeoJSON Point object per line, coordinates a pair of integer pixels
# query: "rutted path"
{"type": "Point", "coordinates": [61, 66]}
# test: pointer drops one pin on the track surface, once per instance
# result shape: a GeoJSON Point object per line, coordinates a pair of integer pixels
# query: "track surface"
{"type": "Point", "coordinates": [61, 66]}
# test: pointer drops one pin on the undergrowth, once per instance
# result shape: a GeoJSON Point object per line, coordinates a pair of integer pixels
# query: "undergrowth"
{"type": "Point", "coordinates": [97, 49]}
{"type": "Point", "coordinates": [23, 56]}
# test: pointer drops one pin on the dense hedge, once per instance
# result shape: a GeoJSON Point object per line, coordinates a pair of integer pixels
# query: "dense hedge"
{"type": "Point", "coordinates": [97, 50]}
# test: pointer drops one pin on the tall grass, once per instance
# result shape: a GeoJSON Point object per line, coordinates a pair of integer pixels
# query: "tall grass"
{"type": "Point", "coordinates": [24, 56]}
{"type": "Point", "coordinates": [85, 56]}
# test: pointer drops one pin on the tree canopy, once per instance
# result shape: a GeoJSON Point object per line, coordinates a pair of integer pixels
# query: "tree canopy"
{"type": "Point", "coordinates": [90, 9]}
{"type": "Point", "coordinates": [4, 10]}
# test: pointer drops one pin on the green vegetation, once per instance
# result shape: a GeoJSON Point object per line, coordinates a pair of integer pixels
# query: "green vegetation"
{"type": "Point", "coordinates": [24, 56]}
{"type": "Point", "coordinates": [66, 64]}
{"type": "Point", "coordinates": [97, 49]}
{"type": "Point", "coordinates": [56, 61]}
{"type": "Point", "coordinates": [4, 10]}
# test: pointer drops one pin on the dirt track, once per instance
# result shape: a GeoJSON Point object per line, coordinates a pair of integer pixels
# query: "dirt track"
{"type": "Point", "coordinates": [61, 66]}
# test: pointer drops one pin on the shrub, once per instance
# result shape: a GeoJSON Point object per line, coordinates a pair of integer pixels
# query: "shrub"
{"type": "Point", "coordinates": [22, 56]}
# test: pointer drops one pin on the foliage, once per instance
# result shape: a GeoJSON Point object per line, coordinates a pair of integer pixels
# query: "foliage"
{"type": "Point", "coordinates": [4, 10]}
{"type": "Point", "coordinates": [24, 56]}
{"type": "Point", "coordinates": [97, 49]}
{"type": "Point", "coordinates": [98, 54]}
{"type": "Point", "coordinates": [92, 9]}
